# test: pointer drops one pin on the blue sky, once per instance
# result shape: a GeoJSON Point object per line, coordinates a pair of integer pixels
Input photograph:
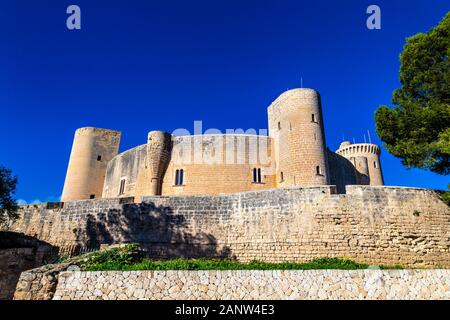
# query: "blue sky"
{"type": "Point", "coordinates": [137, 66]}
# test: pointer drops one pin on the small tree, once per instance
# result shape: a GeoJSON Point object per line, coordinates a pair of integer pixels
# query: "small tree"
{"type": "Point", "coordinates": [417, 128]}
{"type": "Point", "coordinates": [8, 205]}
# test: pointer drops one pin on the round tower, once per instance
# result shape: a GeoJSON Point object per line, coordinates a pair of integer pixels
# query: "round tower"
{"type": "Point", "coordinates": [159, 149]}
{"type": "Point", "coordinates": [92, 149]}
{"type": "Point", "coordinates": [296, 126]}
{"type": "Point", "coordinates": [366, 159]}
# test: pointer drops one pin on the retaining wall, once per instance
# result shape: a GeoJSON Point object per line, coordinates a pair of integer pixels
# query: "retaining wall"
{"type": "Point", "coordinates": [376, 225]}
{"type": "Point", "coordinates": [249, 285]}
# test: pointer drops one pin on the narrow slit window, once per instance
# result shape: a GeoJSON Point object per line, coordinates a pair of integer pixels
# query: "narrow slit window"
{"type": "Point", "coordinates": [313, 117]}
{"type": "Point", "coordinates": [318, 170]}
{"type": "Point", "coordinates": [375, 165]}
{"type": "Point", "coordinates": [281, 176]}
{"type": "Point", "coordinates": [179, 177]}
{"type": "Point", "coordinates": [122, 187]}
{"type": "Point", "coordinates": [257, 178]}
{"type": "Point", "coordinates": [279, 125]}
{"type": "Point", "coordinates": [99, 158]}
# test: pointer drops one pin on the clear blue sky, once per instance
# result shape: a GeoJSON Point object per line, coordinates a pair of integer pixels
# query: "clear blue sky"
{"type": "Point", "coordinates": [138, 66]}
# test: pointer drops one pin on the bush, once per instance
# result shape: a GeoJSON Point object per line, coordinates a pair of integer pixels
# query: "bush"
{"type": "Point", "coordinates": [129, 259]}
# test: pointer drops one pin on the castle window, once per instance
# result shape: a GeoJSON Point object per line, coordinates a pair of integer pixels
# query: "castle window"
{"type": "Point", "coordinates": [318, 170]}
{"type": "Point", "coordinates": [92, 196]}
{"type": "Point", "coordinates": [315, 136]}
{"type": "Point", "coordinates": [281, 176]}
{"type": "Point", "coordinates": [375, 164]}
{"type": "Point", "coordinates": [279, 125]}
{"type": "Point", "coordinates": [257, 175]}
{"type": "Point", "coordinates": [99, 158]}
{"type": "Point", "coordinates": [122, 187]}
{"type": "Point", "coordinates": [179, 177]}
{"type": "Point", "coordinates": [313, 117]}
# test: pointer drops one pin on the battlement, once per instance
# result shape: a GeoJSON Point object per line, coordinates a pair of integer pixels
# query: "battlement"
{"type": "Point", "coordinates": [349, 149]}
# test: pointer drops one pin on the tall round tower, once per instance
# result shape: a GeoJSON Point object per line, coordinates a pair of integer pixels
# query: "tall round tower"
{"type": "Point", "coordinates": [296, 126]}
{"type": "Point", "coordinates": [366, 159]}
{"type": "Point", "coordinates": [92, 149]}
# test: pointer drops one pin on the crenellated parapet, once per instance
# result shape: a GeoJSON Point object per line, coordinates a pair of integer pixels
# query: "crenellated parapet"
{"type": "Point", "coordinates": [366, 159]}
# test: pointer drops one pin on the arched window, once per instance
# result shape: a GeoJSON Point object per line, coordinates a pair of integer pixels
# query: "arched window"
{"type": "Point", "coordinates": [257, 175]}
{"type": "Point", "coordinates": [179, 177]}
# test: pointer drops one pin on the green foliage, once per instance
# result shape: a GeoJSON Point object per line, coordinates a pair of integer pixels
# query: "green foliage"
{"type": "Point", "coordinates": [445, 196]}
{"type": "Point", "coordinates": [127, 259]}
{"type": "Point", "coordinates": [417, 128]}
{"type": "Point", "coordinates": [8, 205]}
{"type": "Point", "coordinates": [121, 256]}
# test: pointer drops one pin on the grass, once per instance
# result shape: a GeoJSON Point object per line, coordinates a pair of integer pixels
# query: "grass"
{"type": "Point", "coordinates": [128, 259]}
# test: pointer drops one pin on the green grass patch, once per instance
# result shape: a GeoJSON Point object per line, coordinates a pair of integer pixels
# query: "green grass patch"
{"type": "Point", "coordinates": [128, 259]}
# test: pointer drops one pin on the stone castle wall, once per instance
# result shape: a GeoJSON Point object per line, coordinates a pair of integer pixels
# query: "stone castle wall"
{"type": "Point", "coordinates": [377, 225]}
{"type": "Point", "coordinates": [254, 284]}
{"type": "Point", "coordinates": [212, 164]}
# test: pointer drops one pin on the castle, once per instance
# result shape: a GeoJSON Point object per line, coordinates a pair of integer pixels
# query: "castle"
{"type": "Point", "coordinates": [293, 154]}
{"type": "Point", "coordinates": [278, 197]}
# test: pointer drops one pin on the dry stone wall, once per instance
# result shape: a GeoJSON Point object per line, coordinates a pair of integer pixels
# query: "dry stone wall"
{"type": "Point", "coordinates": [254, 284]}
{"type": "Point", "coordinates": [376, 225]}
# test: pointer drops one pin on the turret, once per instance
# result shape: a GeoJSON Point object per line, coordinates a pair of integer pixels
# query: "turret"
{"type": "Point", "coordinates": [296, 126]}
{"type": "Point", "coordinates": [92, 149]}
{"type": "Point", "coordinates": [151, 173]}
{"type": "Point", "coordinates": [159, 149]}
{"type": "Point", "coordinates": [366, 159]}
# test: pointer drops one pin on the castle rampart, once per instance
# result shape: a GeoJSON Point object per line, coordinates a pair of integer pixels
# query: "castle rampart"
{"type": "Point", "coordinates": [373, 224]}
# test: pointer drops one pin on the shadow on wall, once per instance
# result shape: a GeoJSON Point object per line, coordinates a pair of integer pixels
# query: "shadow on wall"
{"type": "Point", "coordinates": [343, 172]}
{"type": "Point", "coordinates": [19, 252]}
{"type": "Point", "coordinates": [160, 232]}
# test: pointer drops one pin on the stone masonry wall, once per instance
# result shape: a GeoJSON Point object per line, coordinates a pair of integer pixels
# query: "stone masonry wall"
{"type": "Point", "coordinates": [377, 225]}
{"type": "Point", "coordinates": [254, 284]}
{"type": "Point", "coordinates": [12, 263]}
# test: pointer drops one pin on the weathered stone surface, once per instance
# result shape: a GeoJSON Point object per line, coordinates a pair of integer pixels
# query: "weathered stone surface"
{"type": "Point", "coordinates": [253, 284]}
{"type": "Point", "coordinates": [377, 225]}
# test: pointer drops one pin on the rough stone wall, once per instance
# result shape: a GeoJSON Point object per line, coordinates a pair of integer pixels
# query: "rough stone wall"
{"type": "Point", "coordinates": [126, 165]}
{"type": "Point", "coordinates": [379, 225]}
{"type": "Point", "coordinates": [342, 171]}
{"type": "Point", "coordinates": [254, 284]}
{"type": "Point", "coordinates": [219, 164]}
{"type": "Point", "coordinates": [13, 262]}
